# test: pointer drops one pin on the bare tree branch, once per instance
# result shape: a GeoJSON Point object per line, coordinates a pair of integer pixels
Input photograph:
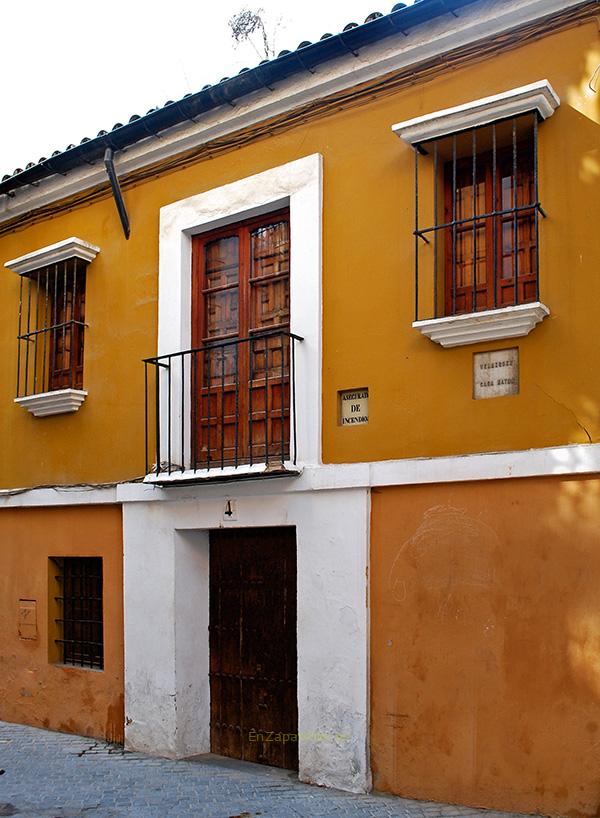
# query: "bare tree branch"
{"type": "Point", "coordinates": [246, 23]}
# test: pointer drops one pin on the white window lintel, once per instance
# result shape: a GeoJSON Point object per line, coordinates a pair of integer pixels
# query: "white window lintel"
{"type": "Point", "coordinates": [53, 254]}
{"type": "Point", "coordinates": [538, 96]}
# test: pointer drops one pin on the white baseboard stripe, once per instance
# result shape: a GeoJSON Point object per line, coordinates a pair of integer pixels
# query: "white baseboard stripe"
{"type": "Point", "coordinates": [557, 461]}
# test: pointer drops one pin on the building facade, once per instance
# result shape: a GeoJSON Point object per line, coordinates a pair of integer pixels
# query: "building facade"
{"type": "Point", "coordinates": [302, 464]}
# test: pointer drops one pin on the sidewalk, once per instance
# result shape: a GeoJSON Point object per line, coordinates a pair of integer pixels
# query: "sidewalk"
{"type": "Point", "coordinates": [53, 775]}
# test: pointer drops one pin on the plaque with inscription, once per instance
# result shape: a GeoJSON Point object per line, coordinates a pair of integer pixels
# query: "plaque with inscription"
{"type": "Point", "coordinates": [496, 374]}
{"type": "Point", "coordinates": [354, 407]}
{"type": "Point", "coordinates": [27, 619]}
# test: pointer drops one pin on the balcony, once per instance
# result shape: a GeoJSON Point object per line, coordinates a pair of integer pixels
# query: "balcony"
{"type": "Point", "coordinates": [223, 410]}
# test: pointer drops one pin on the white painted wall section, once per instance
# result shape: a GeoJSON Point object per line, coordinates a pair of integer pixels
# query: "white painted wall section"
{"type": "Point", "coordinates": [192, 735]}
{"type": "Point", "coordinates": [166, 626]}
{"type": "Point", "coordinates": [333, 641]}
{"type": "Point", "coordinates": [149, 624]}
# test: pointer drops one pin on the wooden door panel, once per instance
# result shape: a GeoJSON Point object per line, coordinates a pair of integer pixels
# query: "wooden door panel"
{"type": "Point", "coordinates": [218, 428]}
{"type": "Point", "coordinates": [221, 429]}
{"type": "Point", "coordinates": [273, 429]}
{"type": "Point", "coordinates": [271, 303]}
{"type": "Point", "coordinates": [264, 698]}
{"type": "Point", "coordinates": [253, 645]}
{"type": "Point", "coordinates": [270, 354]}
{"type": "Point", "coordinates": [226, 736]}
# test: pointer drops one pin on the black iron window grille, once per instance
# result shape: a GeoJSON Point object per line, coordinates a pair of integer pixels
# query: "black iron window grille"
{"type": "Point", "coordinates": [225, 404]}
{"type": "Point", "coordinates": [51, 328]}
{"type": "Point", "coordinates": [477, 194]}
{"type": "Point", "coordinates": [80, 626]}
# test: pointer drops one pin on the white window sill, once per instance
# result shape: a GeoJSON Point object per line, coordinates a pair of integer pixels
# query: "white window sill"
{"type": "Point", "coordinates": [53, 403]}
{"type": "Point", "coordinates": [243, 472]}
{"type": "Point", "coordinates": [488, 325]}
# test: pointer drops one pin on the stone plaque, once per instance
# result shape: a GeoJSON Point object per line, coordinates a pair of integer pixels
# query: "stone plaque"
{"type": "Point", "coordinates": [354, 407]}
{"type": "Point", "coordinates": [496, 374]}
{"type": "Point", "coordinates": [27, 619]}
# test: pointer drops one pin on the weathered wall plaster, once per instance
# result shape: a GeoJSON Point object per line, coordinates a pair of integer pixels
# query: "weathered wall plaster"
{"type": "Point", "coordinates": [34, 690]}
{"type": "Point", "coordinates": [485, 639]}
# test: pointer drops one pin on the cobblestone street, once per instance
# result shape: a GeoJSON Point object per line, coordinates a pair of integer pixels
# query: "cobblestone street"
{"type": "Point", "coordinates": [52, 775]}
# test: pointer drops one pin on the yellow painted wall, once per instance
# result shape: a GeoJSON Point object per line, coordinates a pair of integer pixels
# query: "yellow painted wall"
{"type": "Point", "coordinates": [420, 394]}
{"type": "Point", "coordinates": [485, 644]}
{"type": "Point", "coordinates": [34, 689]}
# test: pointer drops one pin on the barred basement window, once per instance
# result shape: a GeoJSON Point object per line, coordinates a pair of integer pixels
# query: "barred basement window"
{"type": "Point", "coordinates": [80, 626]}
{"type": "Point", "coordinates": [51, 326]}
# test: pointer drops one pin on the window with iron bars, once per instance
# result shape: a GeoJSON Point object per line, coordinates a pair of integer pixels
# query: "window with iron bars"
{"type": "Point", "coordinates": [80, 624]}
{"type": "Point", "coordinates": [51, 328]}
{"type": "Point", "coordinates": [479, 248]}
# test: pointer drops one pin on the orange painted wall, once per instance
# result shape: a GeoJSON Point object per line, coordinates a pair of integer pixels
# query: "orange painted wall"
{"type": "Point", "coordinates": [417, 389]}
{"type": "Point", "coordinates": [485, 644]}
{"type": "Point", "coordinates": [33, 691]}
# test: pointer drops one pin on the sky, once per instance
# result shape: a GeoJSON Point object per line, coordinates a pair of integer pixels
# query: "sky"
{"type": "Point", "coordinates": [72, 68]}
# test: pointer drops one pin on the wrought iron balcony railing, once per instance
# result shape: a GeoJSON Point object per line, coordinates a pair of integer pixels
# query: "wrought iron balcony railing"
{"type": "Point", "coordinates": [224, 405]}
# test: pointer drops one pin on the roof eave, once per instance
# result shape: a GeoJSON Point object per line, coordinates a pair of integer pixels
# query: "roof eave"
{"type": "Point", "coordinates": [193, 106]}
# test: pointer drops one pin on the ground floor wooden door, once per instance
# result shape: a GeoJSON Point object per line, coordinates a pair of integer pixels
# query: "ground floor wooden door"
{"type": "Point", "coordinates": [253, 653]}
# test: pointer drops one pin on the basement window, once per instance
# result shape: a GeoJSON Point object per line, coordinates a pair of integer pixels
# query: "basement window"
{"type": "Point", "coordinates": [79, 624]}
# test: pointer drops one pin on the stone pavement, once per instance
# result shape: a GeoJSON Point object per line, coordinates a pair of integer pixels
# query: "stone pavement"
{"type": "Point", "coordinates": [52, 775]}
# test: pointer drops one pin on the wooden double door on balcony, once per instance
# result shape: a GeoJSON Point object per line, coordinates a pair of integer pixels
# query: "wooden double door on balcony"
{"type": "Point", "coordinates": [240, 329]}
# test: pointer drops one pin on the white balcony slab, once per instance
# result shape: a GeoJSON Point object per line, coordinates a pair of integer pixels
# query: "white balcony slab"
{"type": "Point", "coordinates": [488, 325]}
{"type": "Point", "coordinates": [179, 476]}
{"type": "Point", "coordinates": [53, 403]}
